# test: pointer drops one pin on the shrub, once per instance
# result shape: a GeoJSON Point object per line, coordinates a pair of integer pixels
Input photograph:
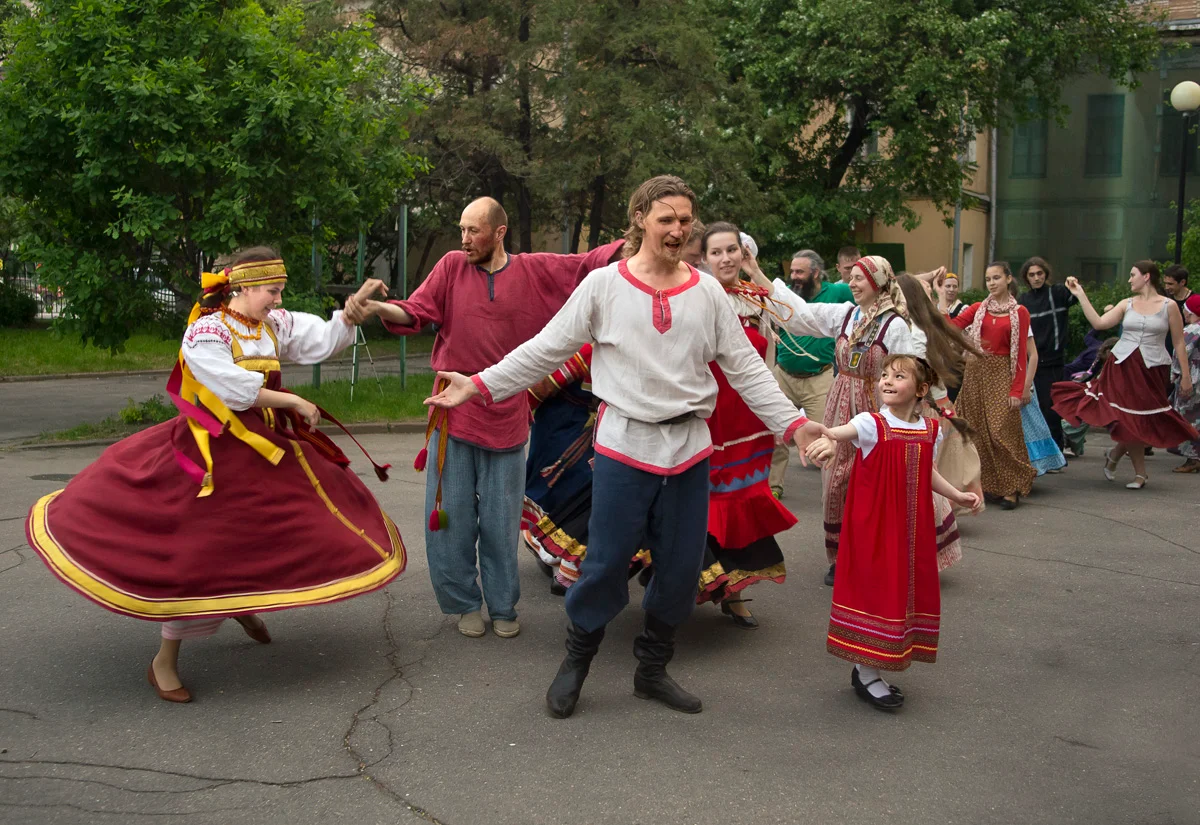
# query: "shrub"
{"type": "Point", "coordinates": [17, 308]}
{"type": "Point", "coordinates": [154, 410]}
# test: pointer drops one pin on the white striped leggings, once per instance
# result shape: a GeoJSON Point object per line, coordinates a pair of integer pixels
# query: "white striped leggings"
{"type": "Point", "coordinates": [191, 628]}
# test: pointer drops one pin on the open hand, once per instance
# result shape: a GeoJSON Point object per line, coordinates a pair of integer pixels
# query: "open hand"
{"type": "Point", "coordinates": [460, 390]}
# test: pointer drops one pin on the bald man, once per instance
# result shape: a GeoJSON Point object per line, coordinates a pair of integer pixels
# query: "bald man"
{"type": "Point", "coordinates": [485, 303]}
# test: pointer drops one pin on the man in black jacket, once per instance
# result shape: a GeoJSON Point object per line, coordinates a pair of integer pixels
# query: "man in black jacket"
{"type": "Point", "coordinates": [1048, 304]}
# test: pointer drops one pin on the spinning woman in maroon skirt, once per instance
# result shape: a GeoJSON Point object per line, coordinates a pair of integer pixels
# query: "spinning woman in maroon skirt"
{"type": "Point", "coordinates": [236, 507]}
{"type": "Point", "coordinates": [1129, 397]}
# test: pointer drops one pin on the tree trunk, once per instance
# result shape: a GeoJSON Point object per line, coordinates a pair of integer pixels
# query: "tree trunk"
{"type": "Point", "coordinates": [597, 213]}
{"type": "Point", "coordinates": [525, 134]}
{"type": "Point", "coordinates": [839, 164]}
{"type": "Point", "coordinates": [429, 239]}
{"type": "Point", "coordinates": [577, 230]}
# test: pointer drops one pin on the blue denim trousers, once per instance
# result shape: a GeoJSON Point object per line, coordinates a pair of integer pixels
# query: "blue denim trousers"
{"type": "Point", "coordinates": [482, 491]}
{"type": "Point", "coordinates": [633, 509]}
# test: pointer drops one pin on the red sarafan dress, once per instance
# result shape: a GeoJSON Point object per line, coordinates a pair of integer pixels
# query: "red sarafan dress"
{"type": "Point", "coordinates": [222, 512]}
{"type": "Point", "coordinates": [743, 516]}
{"type": "Point", "coordinates": [886, 602]}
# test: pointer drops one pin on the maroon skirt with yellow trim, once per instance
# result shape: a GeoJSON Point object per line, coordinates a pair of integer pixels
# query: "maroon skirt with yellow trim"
{"type": "Point", "coordinates": [130, 533]}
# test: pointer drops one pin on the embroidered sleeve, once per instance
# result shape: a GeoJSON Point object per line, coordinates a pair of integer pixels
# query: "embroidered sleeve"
{"type": "Point", "coordinates": [207, 350]}
{"type": "Point", "coordinates": [309, 339]}
{"type": "Point", "coordinates": [817, 320]}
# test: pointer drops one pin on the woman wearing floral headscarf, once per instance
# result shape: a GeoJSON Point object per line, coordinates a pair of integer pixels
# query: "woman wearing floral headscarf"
{"type": "Point", "coordinates": [867, 331]}
{"type": "Point", "coordinates": [993, 386]}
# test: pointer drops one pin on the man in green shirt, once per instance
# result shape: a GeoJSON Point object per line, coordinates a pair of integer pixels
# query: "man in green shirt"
{"type": "Point", "coordinates": [804, 364]}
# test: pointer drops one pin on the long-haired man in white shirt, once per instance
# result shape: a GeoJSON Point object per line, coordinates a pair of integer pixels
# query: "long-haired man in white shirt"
{"type": "Point", "coordinates": [655, 323]}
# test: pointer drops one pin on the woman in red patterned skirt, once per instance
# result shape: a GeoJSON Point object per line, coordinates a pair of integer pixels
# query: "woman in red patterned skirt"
{"type": "Point", "coordinates": [886, 601]}
{"type": "Point", "coordinates": [239, 505]}
{"type": "Point", "coordinates": [743, 516]}
{"type": "Point", "coordinates": [1129, 397]}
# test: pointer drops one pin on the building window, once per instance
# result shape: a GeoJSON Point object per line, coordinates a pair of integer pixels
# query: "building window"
{"type": "Point", "coordinates": [1172, 135]}
{"type": "Point", "coordinates": [1093, 271]}
{"type": "Point", "coordinates": [1029, 150]}
{"type": "Point", "coordinates": [1105, 135]}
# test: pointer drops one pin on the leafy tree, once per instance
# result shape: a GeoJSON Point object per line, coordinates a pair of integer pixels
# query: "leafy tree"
{"type": "Point", "coordinates": [867, 103]}
{"type": "Point", "coordinates": [559, 108]}
{"type": "Point", "coordinates": [141, 135]}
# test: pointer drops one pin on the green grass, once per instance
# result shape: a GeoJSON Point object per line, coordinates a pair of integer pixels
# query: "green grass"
{"type": "Point", "coordinates": [368, 405]}
{"type": "Point", "coordinates": [40, 351]}
{"type": "Point", "coordinates": [131, 419]}
{"type": "Point", "coordinates": [333, 396]}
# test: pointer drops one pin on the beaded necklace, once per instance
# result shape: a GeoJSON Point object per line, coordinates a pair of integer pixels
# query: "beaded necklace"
{"type": "Point", "coordinates": [250, 323]}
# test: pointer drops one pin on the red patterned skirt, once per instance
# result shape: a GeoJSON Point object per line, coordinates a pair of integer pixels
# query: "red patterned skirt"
{"type": "Point", "coordinates": [130, 533]}
{"type": "Point", "coordinates": [1128, 398]}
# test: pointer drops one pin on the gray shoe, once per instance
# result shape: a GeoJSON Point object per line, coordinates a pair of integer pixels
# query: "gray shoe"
{"type": "Point", "coordinates": [471, 624]}
{"type": "Point", "coordinates": [506, 628]}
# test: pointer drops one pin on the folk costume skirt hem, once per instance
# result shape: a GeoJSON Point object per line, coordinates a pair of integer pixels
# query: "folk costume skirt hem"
{"type": "Point", "coordinates": [130, 533]}
{"type": "Point", "coordinates": [1128, 398]}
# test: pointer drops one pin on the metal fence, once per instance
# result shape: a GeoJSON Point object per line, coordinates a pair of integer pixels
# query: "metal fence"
{"type": "Point", "coordinates": [49, 299]}
{"type": "Point", "coordinates": [51, 302]}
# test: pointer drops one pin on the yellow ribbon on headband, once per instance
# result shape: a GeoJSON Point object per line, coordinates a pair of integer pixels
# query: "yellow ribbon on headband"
{"type": "Point", "coordinates": [209, 282]}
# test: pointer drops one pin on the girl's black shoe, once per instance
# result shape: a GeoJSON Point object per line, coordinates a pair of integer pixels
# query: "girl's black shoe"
{"type": "Point", "coordinates": [893, 701]}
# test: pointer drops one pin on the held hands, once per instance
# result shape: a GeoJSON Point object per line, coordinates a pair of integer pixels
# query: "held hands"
{"type": "Point", "coordinates": [362, 304]}
{"type": "Point", "coordinates": [460, 390]}
{"type": "Point", "coordinates": [1073, 286]}
{"type": "Point", "coordinates": [806, 435]}
{"type": "Point", "coordinates": [1015, 402]}
{"type": "Point", "coordinates": [1026, 396]}
{"type": "Point", "coordinates": [821, 451]}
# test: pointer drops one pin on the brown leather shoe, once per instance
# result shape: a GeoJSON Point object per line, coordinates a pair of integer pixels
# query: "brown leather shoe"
{"type": "Point", "coordinates": [179, 694]}
{"type": "Point", "coordinates": [257, 633]}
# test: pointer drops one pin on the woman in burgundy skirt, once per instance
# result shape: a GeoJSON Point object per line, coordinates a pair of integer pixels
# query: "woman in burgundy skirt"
{"type": "Point", "coordinates": [1129, 396]}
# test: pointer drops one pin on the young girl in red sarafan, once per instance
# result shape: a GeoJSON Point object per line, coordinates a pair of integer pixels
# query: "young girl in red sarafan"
{"type": "Point", "coordinates": [886, 603]}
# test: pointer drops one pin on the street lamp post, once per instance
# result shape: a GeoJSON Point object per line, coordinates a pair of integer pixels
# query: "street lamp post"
{"type": "Point", "coordinates": [1185, 97]}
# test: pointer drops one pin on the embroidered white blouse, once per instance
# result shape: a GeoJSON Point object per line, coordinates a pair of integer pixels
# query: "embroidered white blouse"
{"type": "Point", "coordinates": [651, 350]}
{"type": "Point", "coordinates": [825, 320]}
{"type": "Point", "coordinates": [868, 432]}
{"type": "Point", "coordinates": [303, 338]}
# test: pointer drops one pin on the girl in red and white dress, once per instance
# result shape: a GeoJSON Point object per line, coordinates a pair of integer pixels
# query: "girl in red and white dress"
{"type": "Point", "coordinates": [886, 601]}
{"type": "Point", "coordinates": [142, 531]}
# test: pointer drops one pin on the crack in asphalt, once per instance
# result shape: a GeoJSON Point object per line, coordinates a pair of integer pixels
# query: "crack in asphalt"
{"type": "Point", "coordinates": [74, 807]}
{"type": "Point", "coordinates": [218, 780]}
{"type": "Point", "coordinates": [1081, 564]}
{"type": "Point", "coordinates": [1116, 521]}
{"type": "Point", "coordinates": [11, 518]}
{"type": "Point", "coordinates": [28, 713]}
{"type": "Point", "coordinates": [21, 559]}
{"type": "Point", "coordinates": [397, 675]}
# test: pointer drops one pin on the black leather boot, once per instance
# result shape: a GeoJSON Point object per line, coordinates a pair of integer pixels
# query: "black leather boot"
{"type": "Point", "coordinates": [654, 648]}
{"type": "Point", "coordinates": [564, 690]}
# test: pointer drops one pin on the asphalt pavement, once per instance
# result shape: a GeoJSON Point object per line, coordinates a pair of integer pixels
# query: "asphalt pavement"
{"type": "Point", "coordinates": [1062, 694]}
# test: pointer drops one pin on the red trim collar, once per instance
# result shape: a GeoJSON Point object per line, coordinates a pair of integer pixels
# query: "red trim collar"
{"type": "Point", "coordinates": [623, 268]}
